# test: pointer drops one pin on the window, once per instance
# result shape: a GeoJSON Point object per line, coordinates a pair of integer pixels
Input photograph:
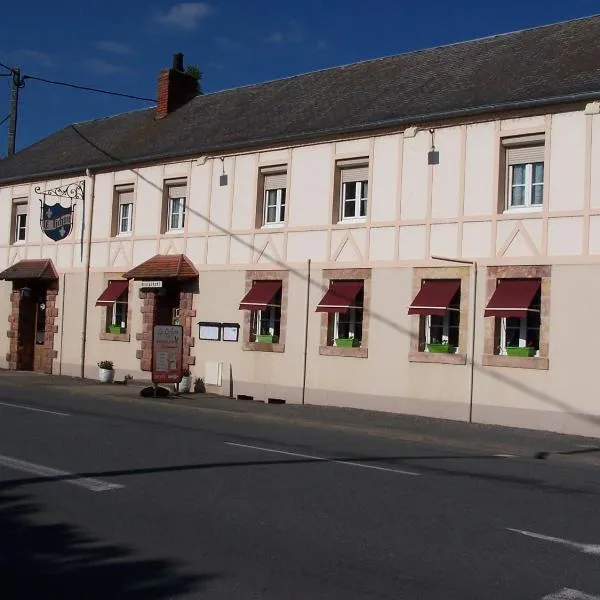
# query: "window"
{"type": "Point", "coordinates": [274, 198]}
{"type": "Point", "coordinates": [116, 316]}
{"type": "Point", "coordinates": [520, 336]}
{"type": "Point", "coordinates": [353, 177]}
{"type": "Point", "coordinates": [19, 233]}
{"type": "Point", "coordinates": [123, 210]}
{"type": "Point", "coordinates": [524, 172]}
{"type": "Point", "coordinates": [347, 327]}
{"type": "Point", "coordinates": [176, 196]}
{"type": "Point", "coordinates": [344, 303]}
{"type": "Point", "coordinates": [266, 323]}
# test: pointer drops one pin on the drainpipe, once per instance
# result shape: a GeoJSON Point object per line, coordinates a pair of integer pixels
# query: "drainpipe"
{"type": "Point", "coordinates": [86, 290]}
{"type": "Point", "coordinates": [473, 263]}
{"type": "Point", "coordinates": [306, 332]}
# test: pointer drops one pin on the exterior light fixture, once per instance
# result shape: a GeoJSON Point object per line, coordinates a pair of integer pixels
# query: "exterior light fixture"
{"type": "Point", "coordinates": [223, 178]}
{"type": "Point", "coordinates": [433, 156]}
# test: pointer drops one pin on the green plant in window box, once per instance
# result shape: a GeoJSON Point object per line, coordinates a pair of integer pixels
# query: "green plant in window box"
{"type": "Point", "coordinates": [267, 339]}
{"type": "Point", "coordinates": [116, 329]}
{"type": "Point", "coordinates": [347, 343]}
{"type": "Point", "coordinates": [441, 347]}
{"type": "Point", "coordinates": [521, 351]}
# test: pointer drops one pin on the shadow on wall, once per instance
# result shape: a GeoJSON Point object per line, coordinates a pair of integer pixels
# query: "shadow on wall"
{"type": "Point", "coordinates": [41, 560]}
{"type": "Point", "coordinates": [561, 405]}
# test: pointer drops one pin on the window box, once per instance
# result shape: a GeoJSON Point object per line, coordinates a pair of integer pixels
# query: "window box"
{"type": "Point", "coordinates": [267, 339]}
{"type": "Point", "coordinates": [441, 348]}
{"type": "Point", "coordinates": [521, 351]}
{"type": "Point", "coordinates": [116, 329]}
{"type": "Point", "coordinates": [347, 343]}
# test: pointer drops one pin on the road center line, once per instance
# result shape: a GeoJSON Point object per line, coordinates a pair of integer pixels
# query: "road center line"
{"type": "Point", "coordinates": [40, 410]}
{"type": "Point", "coordinates": [329, 460]}
{"type": "Point", "coordinates": [93, 485]}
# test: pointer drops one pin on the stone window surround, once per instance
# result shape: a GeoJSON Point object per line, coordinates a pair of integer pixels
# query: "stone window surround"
{"type": "Point", "coordinates": [251, 277]}
{"type": "Point", "coordinates": [542, 362]}
{"type": "Point", "coordinates": [338, 275]}
{"type": "Point", "coordinates": [115, 337]}
{"type": "Point", "coordinates": [464, 274]}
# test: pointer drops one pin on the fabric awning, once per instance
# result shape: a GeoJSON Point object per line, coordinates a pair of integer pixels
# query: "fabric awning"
{"type": "Point", "coordinates": [112, 292]}
{"type": "Point", "coordinates": [434, 297]}
{"type": "Point", "coordinates": [261, 295]}
{"type": "Point", "coordinates": [512, 297]}
{"type": "Point", "coordinates": [31, 269]}
{"type": "Point", "coordinates": [340, 296]}
{"type": "Point", "coordinates": [164, 266]}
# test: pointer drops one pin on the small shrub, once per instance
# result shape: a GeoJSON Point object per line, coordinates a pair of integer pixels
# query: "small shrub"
{"type": "Point", "coordinates": [106, 364]}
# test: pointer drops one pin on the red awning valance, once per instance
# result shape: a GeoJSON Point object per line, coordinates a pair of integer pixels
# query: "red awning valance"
{"type": "Point", "coordinates": [340, 296]}
{"type": "Point", "coordinates": [112, 292]}
{"type": "Point", "coordinates": [512, 297]}
{"type": "Point", "coordinates": [261, 295]}
{"type": "Point", "coordinates": [434, 297]}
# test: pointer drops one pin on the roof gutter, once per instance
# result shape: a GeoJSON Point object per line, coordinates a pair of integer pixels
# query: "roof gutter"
{"type": "Point", "coordinates": [396, 122]}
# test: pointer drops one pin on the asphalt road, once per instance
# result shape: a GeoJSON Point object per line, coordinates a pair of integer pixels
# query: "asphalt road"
{"type": "Point", "coordinates": [114, 499]}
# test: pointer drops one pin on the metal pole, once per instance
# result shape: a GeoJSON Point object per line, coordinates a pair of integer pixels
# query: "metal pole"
{"type": "Point", "coordinates": [16, 84]}
{"type": "Point", "coordinates": [306, 332]}
{"type": "Point", "coordinates": [473, 263]}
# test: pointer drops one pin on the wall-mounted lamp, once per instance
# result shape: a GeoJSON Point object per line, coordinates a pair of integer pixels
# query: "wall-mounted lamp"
{"type": "Point", "coordinates": [223, 178]}
{"type": "Point", "coordinates": [25, 292]}
{"type": "Point", "coordinates": [433, 156]}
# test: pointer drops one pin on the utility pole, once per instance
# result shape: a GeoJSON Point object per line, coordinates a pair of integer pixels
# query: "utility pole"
{"type": "Point", "coordinates": [17, 84]}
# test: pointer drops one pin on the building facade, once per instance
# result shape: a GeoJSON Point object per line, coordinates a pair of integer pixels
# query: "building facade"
{"type": "Point", "coordinates": [441, 266]}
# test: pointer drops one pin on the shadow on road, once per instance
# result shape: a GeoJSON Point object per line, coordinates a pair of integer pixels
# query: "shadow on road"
{"type": "Point", "coordinates": [57, 560]}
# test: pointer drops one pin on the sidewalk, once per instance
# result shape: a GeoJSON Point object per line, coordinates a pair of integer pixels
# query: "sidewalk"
{"type": "Point", "coordinates": [452, 435]}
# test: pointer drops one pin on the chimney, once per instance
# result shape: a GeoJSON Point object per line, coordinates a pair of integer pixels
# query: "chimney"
{"type": "Point", "coordinates": [175, 88]}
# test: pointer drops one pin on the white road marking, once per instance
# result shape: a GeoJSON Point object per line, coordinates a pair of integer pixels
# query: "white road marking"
{"type": "Point", "coordinates": [40, 410]}
{"type": "Point", "coordinates": [585, 548]}
{"type": "Point", "coordinates": [569, 594]}
{"type": "Point", "coordinates": [329, 460]}
{"type": "Point", "coordinates": [505, 456]}
{"type": "Point", "coordinates": [93, 485]}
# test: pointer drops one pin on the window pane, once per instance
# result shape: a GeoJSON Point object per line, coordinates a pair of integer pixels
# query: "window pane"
{"type": "Point", "coordinates": [21, 228]}
{"type": "Point", "coordinates": [518, 174]}
{"type": "Point", "coordinates": [272, 214]}
{"type": "Point", "coordinates": [363, 207]}
{"type": "Point", "coordinates": [436, 330]}
{"type": "Point", "coordinates": [271, 197]}
{"type": "Point", "coordinates": [349, 209]}
{"type": "Point", "coordinates": [538, 172]}
{"type": "Point", "coordinates": [350, 190]}
{"type": "Point", "coordinates": [537, 194]}
{"type": "Point", "coordinates": [517, 197]}
{"type": "Point", "coordinates": [364, 189]}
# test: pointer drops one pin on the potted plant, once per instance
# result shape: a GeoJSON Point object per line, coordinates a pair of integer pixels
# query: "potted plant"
{"type": "Point", "coordinates": [116, 329]}
{"type": "Point", "coordinates": [347, 343]}
{"type": "Point", "coordinates": [186, 382]}
{"type": "Point", "coordinates": [107, 373]}
{"type": "Point", "coordinates": [441, 347]}
{"type": "Point", "coordinates": [267, 338]}
{"type": "Point", "coordinates": [528, 351]}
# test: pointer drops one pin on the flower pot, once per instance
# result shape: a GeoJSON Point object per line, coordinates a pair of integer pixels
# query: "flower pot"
{"type": "Point", "coordinates": [116, 329]}
{"type": "Point", "coordinates": [347, 343]}
{"type": "Point", "coordinates": [185, 384]}
{"type": "Point", "coordinates": [106, 375]}
{"type": "Point", "coordinates": [441, 348]}
{"type": "Point", "coordinates": [520, 351]}
{"type": "Point", "coordinates": [267, 339]}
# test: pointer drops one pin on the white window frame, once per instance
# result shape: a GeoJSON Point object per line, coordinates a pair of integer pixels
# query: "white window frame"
{"type": "Point", "coordinates": [528, 185]}
{"type": "Point", "coordinates": [20, 227]}
{"type": "Point", "coordinates": [279, 207]}
{"type": "Point", "coordinates": [180, 214]}
{"type": "Point", "coordinates": [351, 324]}
{"type": "Point", "coordinates": [258, 318]}
{"type": "Point", "coordinates": [128, 218]}
{"type": "Point", "coordinates": [445, 329]}
{"type": "Point", "coordinates": [114, 311]}
{"type": "Point", "coordinates": [523, 326]}
{"type": "Point", "coordinates": [360, 186]}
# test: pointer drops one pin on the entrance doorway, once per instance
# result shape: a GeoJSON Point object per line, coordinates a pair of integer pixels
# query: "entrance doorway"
{"type": "Point", "coordinates": [31, 351]}
{"type": "Point", "coordinates": [167, 304]}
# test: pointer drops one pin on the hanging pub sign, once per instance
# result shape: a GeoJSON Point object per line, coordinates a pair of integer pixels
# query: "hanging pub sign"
{"type": "Point", "coordinates": [56, 220]}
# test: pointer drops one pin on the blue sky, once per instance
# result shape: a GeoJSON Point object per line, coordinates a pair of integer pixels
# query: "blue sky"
{"type": "Point", "coordinates": [123, 45]}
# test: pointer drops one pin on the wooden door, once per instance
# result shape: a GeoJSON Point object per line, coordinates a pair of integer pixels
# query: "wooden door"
{"type": "Point", "coordinates": [40, 334]}
{"type": "Point", "coordinates": [27, 325]}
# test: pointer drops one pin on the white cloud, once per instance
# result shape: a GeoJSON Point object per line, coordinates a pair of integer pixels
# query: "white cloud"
{"type": "Point", "coordinates": [292, 34]}
{"type": "Point", "coordinates": [227, 43]}
{"type": "Point", "coordinates": [113, 47]}
{"type": "Point", "coordinates": [32, 57]}
{"type": "Point", "coordinates": [99, 66]}
{"type": "Point", "coordinates": [185, 15]}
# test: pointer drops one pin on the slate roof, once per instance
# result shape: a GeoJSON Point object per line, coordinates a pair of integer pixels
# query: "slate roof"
{"type": "Point", "coordinates": [524, 68]}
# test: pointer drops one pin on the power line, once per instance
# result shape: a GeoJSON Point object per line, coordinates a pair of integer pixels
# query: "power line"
{"type": "Point", "coordinates": [86, 88]}
{"type": "Point", "coordinates": [4, 120]}
{"type": "Point", "coordinates": [7, 68]}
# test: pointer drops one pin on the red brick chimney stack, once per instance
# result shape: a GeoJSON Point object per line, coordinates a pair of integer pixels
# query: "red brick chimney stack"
{"type": "Point", "coordinates": [175, 88]}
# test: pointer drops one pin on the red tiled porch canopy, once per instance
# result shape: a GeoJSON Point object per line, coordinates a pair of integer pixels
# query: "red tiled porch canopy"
{"type": "Point", "coordinates": [163, 266]}
{"type": "Point", "coordinates": [112, 292]}
{"type": "Point", "coordinates": [512, 297]}
{"type": "Point", "coordinates": [434, 297]}
{"type": "Point", "coordinates": [31, 269]}
{"type": "Point", "coordinates": [261, 295]}
{"type": "Point", "coordinates": [340, 296]}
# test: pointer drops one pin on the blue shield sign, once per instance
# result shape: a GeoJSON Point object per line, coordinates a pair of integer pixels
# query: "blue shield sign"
{"type": "Point", "coordinates": [56, 221]}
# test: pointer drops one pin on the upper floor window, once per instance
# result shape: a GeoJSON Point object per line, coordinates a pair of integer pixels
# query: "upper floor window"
{"type": "Point", "coordinates": [524, 171]}
{"type": "Point", "coordinates": [176, 205]}
{"type": "Point", "coordinates": [354, 189]}
{"type": "Point", "coordinates": [19, 221]}
{"type": "Point", "coordinates": [274, 197]}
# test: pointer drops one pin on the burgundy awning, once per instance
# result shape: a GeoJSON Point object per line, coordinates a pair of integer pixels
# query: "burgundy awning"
{"type": "Point", "coordinates": [111, 294]}
{"type": "Point", "coordinates": [512, 297]}
{"type": "Point", "coordinates": [261, 295]}
{"type": "Point", "coordinates": [340, 296]}
{"type": "Point", "coordinates": [434, 297]}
